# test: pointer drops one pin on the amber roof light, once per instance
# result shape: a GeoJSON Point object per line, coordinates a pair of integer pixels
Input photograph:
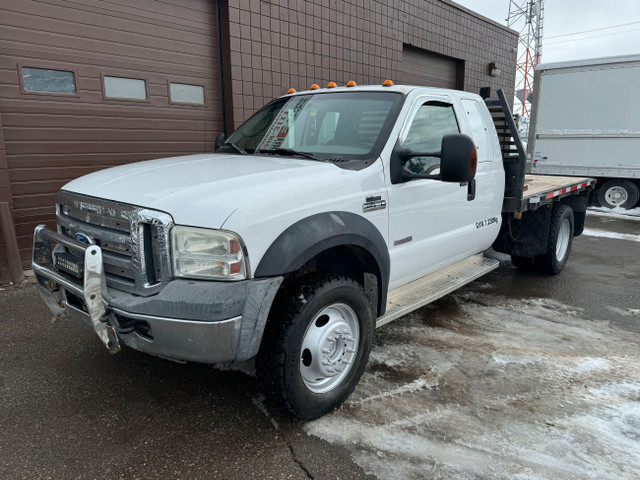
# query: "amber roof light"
{"type": "Point", "coordinates": [387, 83]}
{"type": "Point", "coordinates": [314, 87]}
{"type": "Point", "coordinates": [331, 85]}
{"type": "Point", "coordinates": [351, 83]}
{"type": "Point", "coordinates": [291, 90]}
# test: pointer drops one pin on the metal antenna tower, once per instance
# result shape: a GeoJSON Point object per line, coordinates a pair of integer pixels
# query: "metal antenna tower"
{"type": "Point", "coordinates": [526, 17]}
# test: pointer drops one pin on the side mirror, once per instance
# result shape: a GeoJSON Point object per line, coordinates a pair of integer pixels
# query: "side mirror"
{"type": "Point", "coordinates": [458, 161]}
{"type": "Point", "coordinates": [220, 139]}
{"type": "Point", "coordinates": [459, 158]}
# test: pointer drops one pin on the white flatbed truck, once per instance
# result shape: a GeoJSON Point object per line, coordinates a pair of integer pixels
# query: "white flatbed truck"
{"type": "Point", "coordinates": [585, 122]}
{"type": "Point", "coordinates": [326, 214]}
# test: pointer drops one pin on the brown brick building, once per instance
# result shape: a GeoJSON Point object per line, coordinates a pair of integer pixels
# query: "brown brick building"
{"type": "Point", "coordinates": [92, 84]}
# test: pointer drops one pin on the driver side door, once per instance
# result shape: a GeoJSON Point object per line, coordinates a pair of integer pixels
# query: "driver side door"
{"type": "Point", "coordinates": [430, 221]}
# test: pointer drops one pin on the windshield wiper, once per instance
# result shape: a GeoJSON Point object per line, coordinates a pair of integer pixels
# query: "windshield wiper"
{"type": "Point", "coordinates": [237, 148]}
{"type": "Point", "coordinates": [291, 152]}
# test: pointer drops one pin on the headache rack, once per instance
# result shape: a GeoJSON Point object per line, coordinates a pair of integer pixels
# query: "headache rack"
{"type": "Point", "coordinates": [514, 155]}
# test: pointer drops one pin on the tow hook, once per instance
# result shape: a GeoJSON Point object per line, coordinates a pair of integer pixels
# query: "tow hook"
{"type": "Point", "coordinates": [113, 344]}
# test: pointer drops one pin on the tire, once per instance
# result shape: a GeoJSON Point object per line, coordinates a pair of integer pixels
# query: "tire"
{"type": "Point", "coordinates": [618, 193]}
{"type": "Point", "coordinates": [524, 263]}
{"type": "Point", "coordinates": [316, 346]}
{"type": "Point", "coordinates": [559, 242]}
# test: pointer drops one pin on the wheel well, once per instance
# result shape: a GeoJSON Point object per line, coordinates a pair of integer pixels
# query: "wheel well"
{"type": "Point", "coordinates": [351, 261]}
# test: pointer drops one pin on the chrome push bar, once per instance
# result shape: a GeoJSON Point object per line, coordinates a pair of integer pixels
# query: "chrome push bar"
{"type": "Point", "coordinates": [92, 290]}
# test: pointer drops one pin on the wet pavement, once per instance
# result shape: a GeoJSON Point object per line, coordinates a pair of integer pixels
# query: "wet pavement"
{"type": "Point", "coordinates": [516, 375]}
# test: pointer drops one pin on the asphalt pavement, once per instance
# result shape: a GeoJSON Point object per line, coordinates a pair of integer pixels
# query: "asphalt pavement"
{"type": "Point", "coordinates": [70, 410]}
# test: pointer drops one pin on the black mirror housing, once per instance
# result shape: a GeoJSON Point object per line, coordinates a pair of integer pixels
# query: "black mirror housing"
{"type": "Point", "coordinates": [459, 159]}
{"type": "Point", "coordinates": [220, 139]}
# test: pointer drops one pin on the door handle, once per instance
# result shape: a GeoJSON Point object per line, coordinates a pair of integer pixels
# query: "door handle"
{"type": "Point", "coordinates": [471, 190]}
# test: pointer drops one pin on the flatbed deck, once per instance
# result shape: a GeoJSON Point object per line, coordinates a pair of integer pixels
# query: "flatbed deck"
{"type": "Point", "coordinates": [542, 189]}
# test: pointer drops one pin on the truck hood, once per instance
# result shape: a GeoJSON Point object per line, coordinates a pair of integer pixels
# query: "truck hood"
{"type": "Point", "coordinates": [202, 190]}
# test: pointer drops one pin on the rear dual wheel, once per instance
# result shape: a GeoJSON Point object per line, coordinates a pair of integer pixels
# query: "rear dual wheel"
{"type": "Point", "coordinates": [316, 346]}
{"type": "Point", "coordinates": [559, 244]}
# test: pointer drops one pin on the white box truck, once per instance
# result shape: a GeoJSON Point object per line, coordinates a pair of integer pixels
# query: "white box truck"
{"type": "Point", "coordinates": [585, 121]}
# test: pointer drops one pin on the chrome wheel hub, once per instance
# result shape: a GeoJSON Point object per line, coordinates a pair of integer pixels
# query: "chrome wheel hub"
{"type": "Point", "coordinates": [329, 347]}
{"type": "Point", "coordinates": [562, 244]}
{"type": "Point", "coordinates": [616, 195]}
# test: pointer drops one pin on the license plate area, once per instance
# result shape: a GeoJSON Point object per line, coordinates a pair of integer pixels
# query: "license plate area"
{"type": "Point", "coordinates": [69, 264]}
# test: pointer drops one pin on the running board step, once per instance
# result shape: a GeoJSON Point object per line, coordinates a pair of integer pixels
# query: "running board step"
{"type": "Point", "coordinates": [425, 290]}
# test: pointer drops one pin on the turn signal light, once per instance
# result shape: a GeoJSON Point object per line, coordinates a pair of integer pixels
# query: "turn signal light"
{"type": "Point", "coordinates": [291, 90]}
{"type": "Point", "coordinates": [387, 83]}
{"type": "Point", "coordinates": [331, 85]}
{"type": "Point", "coordinates": [351, 83]}
{"type": "Point", "coordinates": [314, 87]}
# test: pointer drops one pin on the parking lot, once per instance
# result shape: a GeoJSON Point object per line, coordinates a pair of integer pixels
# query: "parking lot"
{"type": "Point", "coordinates": [517, 375]}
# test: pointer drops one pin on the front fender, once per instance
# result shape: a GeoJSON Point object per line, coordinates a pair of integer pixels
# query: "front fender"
{"type": "Point", "coordinates": [312, 235]}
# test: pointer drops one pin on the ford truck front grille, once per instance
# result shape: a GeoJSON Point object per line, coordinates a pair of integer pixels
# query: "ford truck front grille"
{"type": "Point", "coordinates": [134, 240]}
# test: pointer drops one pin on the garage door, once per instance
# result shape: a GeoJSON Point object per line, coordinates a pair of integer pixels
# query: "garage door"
{"type": "Point", "coordinates": [90, 84]}
{"type": "Point", "coordinates": [420, 67]}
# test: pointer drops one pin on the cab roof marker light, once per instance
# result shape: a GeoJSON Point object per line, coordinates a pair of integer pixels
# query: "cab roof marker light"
{"type": "Point", "coordinates": [351, 83]}
{"type": "Point", "coordinates": [291, 90]}
{"type": "Point", "coordinates": [332, 85]}
{"type": "Point", "coordinates": [387, 83]}
{"type": "Point", "coordinates": [314, 87]}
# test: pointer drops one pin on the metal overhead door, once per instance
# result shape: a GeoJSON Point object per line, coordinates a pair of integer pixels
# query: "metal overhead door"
{"type": "Point", "coordinates": [420, 67]}
{"type": "Point", "coordinates": [86, 85]}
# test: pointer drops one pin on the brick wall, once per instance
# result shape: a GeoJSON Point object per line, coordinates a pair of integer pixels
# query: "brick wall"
{"type": "Point", "coordinates": [274, 45]}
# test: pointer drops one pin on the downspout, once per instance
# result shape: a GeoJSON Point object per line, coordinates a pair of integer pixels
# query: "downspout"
{"type": "Point", "coordinates": [221, 61]}
{"type": "Point", "coordinates": [11, 242]}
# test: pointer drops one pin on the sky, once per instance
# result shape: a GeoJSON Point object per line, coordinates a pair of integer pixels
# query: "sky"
{"type": "Point", "coordinates": [563, 19]}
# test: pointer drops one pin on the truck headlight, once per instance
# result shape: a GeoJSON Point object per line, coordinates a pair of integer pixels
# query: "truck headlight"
{"type": "Point", "coordinates": [205, 253]}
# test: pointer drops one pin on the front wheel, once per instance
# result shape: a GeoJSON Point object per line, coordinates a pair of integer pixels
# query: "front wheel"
{"type": "Point", "coordinates": [559, 241]}
{"type": "Point", "coordinates": [316, 346]}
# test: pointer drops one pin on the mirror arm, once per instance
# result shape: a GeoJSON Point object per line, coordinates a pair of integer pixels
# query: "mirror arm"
{"type": "Point", "coordinates": [406, 176]}
{"type": "Point", "coordinates": [407, 154]}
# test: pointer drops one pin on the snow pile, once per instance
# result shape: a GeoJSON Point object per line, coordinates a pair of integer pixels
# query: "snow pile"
{"type": "Point", "coordinates": [479, 386]}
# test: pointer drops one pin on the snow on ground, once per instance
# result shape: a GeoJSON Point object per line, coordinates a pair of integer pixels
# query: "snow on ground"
{"type": "Point", "coordinates": [594, 232]}
{"type": "Point", "coordinates": [482, 386]}
{"type": "Point", "coordinates": [618, 212]}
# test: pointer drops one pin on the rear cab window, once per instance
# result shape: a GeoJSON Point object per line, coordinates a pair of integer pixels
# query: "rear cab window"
{"type": "Point", "coordinates": [479, 128]}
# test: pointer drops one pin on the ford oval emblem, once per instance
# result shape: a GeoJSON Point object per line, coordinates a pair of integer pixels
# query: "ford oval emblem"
{"type": "Point", "coordinates": [81, 237]}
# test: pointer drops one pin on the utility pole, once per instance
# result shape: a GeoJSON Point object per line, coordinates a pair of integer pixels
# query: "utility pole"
{"type": "Point", "coordinates": [526, 17]}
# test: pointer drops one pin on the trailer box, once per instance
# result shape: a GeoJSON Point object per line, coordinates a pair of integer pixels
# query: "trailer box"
{"type": "Point", "coordinates": [586, 122]}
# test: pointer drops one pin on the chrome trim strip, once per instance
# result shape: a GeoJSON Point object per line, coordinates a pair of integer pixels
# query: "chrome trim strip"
{"type": "Point", "coordinates": [143, 317]}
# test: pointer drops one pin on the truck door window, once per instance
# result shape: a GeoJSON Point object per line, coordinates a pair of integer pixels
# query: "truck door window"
{"type": "Point", "coordinates": [432, 121]}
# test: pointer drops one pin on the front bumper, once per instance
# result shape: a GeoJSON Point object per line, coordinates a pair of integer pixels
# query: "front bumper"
{"type": "Point", "coordinates": [200, 321]}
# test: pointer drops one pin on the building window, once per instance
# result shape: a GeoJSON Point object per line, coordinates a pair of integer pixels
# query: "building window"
{"type": "Point", "coordinates": [48, 81]}
{"type": "Point", "coordinates": [184, 93]}
{"type": "Point", "coordinates": [127, 88]}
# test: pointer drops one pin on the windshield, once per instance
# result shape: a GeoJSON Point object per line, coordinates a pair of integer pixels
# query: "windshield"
{"type": "Point", "coordinates": [325, 126]}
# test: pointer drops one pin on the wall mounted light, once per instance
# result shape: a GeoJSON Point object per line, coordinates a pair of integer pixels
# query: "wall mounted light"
{"type": "Point", "coordinates": [494, 71]}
